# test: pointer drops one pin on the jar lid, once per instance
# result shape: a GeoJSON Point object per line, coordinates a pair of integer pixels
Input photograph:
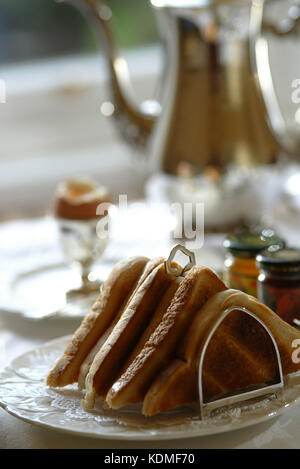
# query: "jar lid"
{"type": "Point", "coordinates": [272, 258]}
{"type": "Point", "coordinates": [249, 244]}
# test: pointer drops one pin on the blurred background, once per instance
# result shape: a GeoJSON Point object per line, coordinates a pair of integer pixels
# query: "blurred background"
{"type": "Point", "coordinates": [51, 126]}
{"type": "Point", "coordinates": [35, 29]}
{"type": "Point", "coordinates": [54, 125]}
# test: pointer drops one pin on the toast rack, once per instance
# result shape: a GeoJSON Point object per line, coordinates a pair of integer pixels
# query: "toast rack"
{"type": "Point", "coordinates": [260, 390]}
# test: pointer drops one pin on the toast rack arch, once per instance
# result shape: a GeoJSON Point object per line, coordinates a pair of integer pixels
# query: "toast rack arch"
{"type": "Point", "coordinates": [233, 398]}
{"type": "Point", "coordinates": [172, 269]}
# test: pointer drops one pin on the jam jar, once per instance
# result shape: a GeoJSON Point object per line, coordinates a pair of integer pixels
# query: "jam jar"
{"type": "Point", "coordinates": [279, 282]}
{"type": "Point", "coordinates": [240, 269]}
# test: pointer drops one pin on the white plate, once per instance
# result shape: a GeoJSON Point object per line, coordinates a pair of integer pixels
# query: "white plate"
{"type": "Point", "coordinates": [24, 394]}
{"type": "Point", "coordinates": [40, 292]}
{"type": "Point", "coordinates": [34, 278]}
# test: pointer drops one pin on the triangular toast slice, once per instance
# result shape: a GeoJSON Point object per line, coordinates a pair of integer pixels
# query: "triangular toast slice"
{"type": "Point", "coordinates": [197, 286]}
{"type": "Point", "coordinates": [239, 354]}
{"type": "Point", "coordinates": [135, 318]}
{"type": "Point", "coordinates": [117, 289]}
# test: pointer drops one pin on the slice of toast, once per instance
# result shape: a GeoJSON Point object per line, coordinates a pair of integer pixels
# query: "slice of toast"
{"type": "Point", "coordinates": [117, 289]}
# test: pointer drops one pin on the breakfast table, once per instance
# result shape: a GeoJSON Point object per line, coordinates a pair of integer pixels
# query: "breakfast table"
{"type": "Point", "coordinates": [22, 332]}
{"type": "Point", "coordinates": [64, 101]}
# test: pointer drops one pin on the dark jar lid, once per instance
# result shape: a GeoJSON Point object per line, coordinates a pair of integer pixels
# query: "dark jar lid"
{"type": "Point", "coordinates": [285, 260]}
{"type": "Point", "coordinates": [249, 244]}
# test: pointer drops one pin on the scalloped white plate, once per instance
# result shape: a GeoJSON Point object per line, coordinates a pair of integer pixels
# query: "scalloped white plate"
{"type": "Point", "coordinates": [24, 394]}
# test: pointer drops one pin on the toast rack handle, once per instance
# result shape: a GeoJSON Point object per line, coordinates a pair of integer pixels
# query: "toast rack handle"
{"type": "Point", "coordinates": [172, 269]}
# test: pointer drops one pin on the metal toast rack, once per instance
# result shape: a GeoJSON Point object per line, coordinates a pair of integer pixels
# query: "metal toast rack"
{"type": "Point", "coordinates": [257, 391]}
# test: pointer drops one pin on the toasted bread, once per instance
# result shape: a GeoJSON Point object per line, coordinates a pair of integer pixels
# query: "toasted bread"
{"type": "Point", "coordinates": [111, 357]}
{"type": "Point", "coordinates": [144, 337]}
{"type": "Point", "coordinates": [240, 353]}
{"type": "Point", "coordinates": [85, 366]}
{"type": "Point", "coordinates": [195, 289]}
{"type": "Point", "coordinates": [117, 288]}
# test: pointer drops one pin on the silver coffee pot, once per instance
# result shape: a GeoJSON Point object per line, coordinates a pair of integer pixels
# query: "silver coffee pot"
{"type": "Point", "coordinates": [219, 104]}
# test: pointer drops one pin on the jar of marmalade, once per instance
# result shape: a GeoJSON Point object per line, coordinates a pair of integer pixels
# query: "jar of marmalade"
{"type": "Point", "coordinates": [279, 282]}
{"type": "Point", "coordinates": [240, 269]}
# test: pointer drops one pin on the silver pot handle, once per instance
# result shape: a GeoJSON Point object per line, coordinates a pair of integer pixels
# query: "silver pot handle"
{"type": "Point", "coordinates": [259, 53]}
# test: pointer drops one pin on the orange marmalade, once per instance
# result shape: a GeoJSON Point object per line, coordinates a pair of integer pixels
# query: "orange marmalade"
{"type": "Point", "coordinates": [240, 269]}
